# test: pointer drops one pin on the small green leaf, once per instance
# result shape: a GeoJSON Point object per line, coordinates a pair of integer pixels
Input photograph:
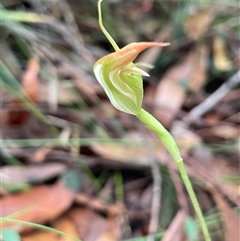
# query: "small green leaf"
{"type": "Point", "coordinates": [8, 234]}
{"type": "Point", "coordinates": [191, 228]}
{"type": "Point", "coordinates": [72, 180]}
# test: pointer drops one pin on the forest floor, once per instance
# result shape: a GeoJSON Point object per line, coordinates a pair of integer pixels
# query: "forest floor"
{"type": "Point", "coordinates": [75, 168]}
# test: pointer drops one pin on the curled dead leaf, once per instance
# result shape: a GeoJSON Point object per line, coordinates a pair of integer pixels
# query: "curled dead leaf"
{"type": "Point", "coordinates": [221, 60]}
{"type": "Point", "coordinates": [42, 204]}
{"type": "Point", "coordinates": [30, 85]}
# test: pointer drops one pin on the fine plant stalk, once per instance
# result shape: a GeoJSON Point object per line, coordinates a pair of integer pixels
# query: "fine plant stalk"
{"type": "Point", "coordinates": [170, 144]}
{"type": "Point", "coordinates": [122, 81]}
{"type": "Point", "coordinates": [109, 37]}
{"type": "Point", "coordinates": [38, 226]}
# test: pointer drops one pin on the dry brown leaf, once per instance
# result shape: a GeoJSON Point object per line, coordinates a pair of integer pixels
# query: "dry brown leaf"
{"type": "Point", "coordinates": [198, 77]}
{"type": "Point", "coordinates": [170, 92]}
{"type": "Point", "coordinates": [111, 233]}
{"type": "Point", "coordinates": [221, 60]}
{"type": "Point", "coordinates": [196, 25]}
{"type": "Point", "coordinates": [67, 225]}
{"type": "Point", "coordinates": [30, 84]}
{"type": "Point", "coordinates": [47, 203]}
{"type": "Point", "coordinates": [40, 154]}
{"type": "Point", "coordinates": [39, 235]}
{"type": "Point", "coordinates": [99, 206]}
{"type": "Point", "coordinates": [96, 204]}
{"type": "Point", "coordinates": [92, 227]}
{"type": "Point", "coordinates": [230, 220]}
{"type": "Point", "coordinates": [30, 81]}
{"type": "Point", "coordinates": [225, 131]}
{"type": "Point", "coordinates": [30, 174]}
{"type": "Point", "coordinates": [134, 155]}
{"type": "Point", "coordinates": [168, 100]}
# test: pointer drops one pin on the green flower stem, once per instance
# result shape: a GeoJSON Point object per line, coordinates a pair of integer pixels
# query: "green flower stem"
{"type": "Point", "coordinates": [170, 144]}
{"type": "Point", "coordinates": [122, 81]}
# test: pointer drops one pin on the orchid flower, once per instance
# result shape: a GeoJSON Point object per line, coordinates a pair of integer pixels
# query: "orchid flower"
{"type": "Point", "coordinates": [122, 82]}
{"type": "Point", "coordinates": [121, 79]}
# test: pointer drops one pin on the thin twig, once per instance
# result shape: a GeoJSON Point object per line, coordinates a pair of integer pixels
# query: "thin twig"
{"type": "Point", "coordinates": [213, 99]}
{"type": "Point", "coordinates": [156, 199]}
{"type": "Point", "coordinates": [156, 195]}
